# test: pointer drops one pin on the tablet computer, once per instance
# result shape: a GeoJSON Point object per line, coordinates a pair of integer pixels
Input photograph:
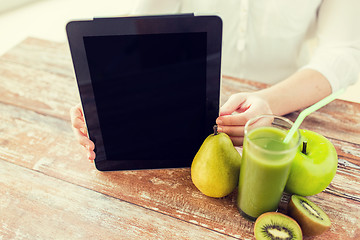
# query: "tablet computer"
{"type": "Point", "coordinates": [149, 87]}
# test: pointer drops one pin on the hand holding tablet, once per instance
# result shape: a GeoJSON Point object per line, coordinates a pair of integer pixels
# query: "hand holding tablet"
{"type": "Point", "coordinates": [149, 87]}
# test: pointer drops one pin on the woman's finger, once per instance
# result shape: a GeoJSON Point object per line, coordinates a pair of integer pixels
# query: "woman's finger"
{"type": "Point", "coordinates": [76, 111]}
{"type": "Point", "coordinates": [232, 104]}
{"type": "Point", "coordinates": [78, 123]}
{"type": "Point", "coordinates": [232, 131]}
{"type": "Point", "coordinates": [237, 141]}
{"type": "Point", "coordinates": [76, 116]}
{"type": "Point", "coordinates": [238, 119]}
{"type": "Point", "coordinates": [91, 156]}
{"type": "Point", "coordinates": [84, 140]}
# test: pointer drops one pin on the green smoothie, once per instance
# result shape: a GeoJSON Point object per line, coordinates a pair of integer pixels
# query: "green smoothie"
{"type": "Point", "coordinates": [264, 170]}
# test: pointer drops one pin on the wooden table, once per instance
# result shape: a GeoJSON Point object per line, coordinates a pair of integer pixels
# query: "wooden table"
{"type": "Point", "coordinates": [48, 190]}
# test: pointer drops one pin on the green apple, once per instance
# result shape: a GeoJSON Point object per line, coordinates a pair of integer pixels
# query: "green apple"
{"type": "Point", "coordinates": [314, 165]}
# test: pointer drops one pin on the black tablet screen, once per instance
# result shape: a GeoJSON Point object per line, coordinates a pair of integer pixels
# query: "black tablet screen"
{"type": "Point", "coordinates": [150, 94]}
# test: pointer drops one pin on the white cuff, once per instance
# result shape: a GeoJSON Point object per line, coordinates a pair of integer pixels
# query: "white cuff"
{"type": "Point", "coordinates": [340, 66]}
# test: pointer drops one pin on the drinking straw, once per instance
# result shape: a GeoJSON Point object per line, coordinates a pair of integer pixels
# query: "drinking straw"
{"type": "Point", "coordinates": [309, 110]}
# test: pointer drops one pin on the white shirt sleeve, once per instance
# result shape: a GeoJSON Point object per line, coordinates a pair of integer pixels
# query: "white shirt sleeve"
{"type": "Point", "coordinates": [338, 54]}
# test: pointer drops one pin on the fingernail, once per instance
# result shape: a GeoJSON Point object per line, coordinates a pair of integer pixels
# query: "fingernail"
{"type": "Point", "coordinates": [218, 121]}
{"type": "Point", "coordinates": [219, 129]}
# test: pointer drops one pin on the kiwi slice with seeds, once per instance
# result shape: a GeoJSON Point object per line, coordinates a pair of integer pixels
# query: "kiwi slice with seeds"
{"type": "Point", "coordinates": [274, 225]}
{"type": "Point", "coordinates": [311, 218]}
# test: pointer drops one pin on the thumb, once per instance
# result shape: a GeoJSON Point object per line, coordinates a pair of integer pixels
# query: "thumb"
{"type": "Point", "coordinates": [233, 103]}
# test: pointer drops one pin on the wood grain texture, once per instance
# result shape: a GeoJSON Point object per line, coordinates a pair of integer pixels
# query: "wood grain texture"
{"type": "Point", "coordinates": [46, 144]}
{"type": "Point", "coordinates": [338, 120]}
{"type": "Point", "coordinates": [43, 55]}
{"type": "Point", "coordinates": [37, 145]}
{"type": "Point", "coordinates": [36, 206]}
{"type": "Point", "coordinates": [38, 75]}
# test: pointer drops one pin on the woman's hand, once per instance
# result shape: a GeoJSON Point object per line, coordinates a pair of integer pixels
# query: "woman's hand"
{"type": "Point", "coordinates": [79, 128]}
{"type": "Point", "coordinates": [240, 108]}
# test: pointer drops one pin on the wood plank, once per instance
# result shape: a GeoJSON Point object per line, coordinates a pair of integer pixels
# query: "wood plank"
{"type": "Point", "coordinates": [47, 145]}
{"type": "Point", "coordinates": [49, 56]}
{"type": "Point", "coordinates": [38, 90]}
{"type": "Point", "coordinates": [338, 120]}
{"type": "Point", "coordinates": [37, 206]}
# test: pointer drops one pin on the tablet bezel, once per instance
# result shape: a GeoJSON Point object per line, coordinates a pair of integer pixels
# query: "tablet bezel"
{"type": "Point", "coordinates": [77, 30]}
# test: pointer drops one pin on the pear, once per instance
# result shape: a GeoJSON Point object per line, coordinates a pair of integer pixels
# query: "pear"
{"type": "Point", "coordinates": [216, 166]}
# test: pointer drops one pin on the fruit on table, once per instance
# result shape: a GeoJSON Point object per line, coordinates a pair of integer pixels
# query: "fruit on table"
{"type": "Point", "coordinates": [274, 225]}
{"type": "Point", "coordinates": [314, 165]}
{"type": "Point", "coordinates": [311, 218]}
{"type": "Point", "coordinates": [216, 166]}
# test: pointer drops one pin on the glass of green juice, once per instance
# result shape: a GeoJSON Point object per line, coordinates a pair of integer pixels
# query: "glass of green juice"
{"type": "Point", "coordinates": [265, 165]}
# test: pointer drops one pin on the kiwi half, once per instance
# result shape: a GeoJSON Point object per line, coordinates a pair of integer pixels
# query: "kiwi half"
{"type": "Point", "coordinates": [312, 219]}
{"type": "Point", "coordinates": [274, 225]}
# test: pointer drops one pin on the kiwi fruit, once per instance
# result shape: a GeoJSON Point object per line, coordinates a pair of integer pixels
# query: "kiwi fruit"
{"type": "Point", "coordinates": [311, 218]}
{"type": "Point", "coordinates": [274, 225]}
